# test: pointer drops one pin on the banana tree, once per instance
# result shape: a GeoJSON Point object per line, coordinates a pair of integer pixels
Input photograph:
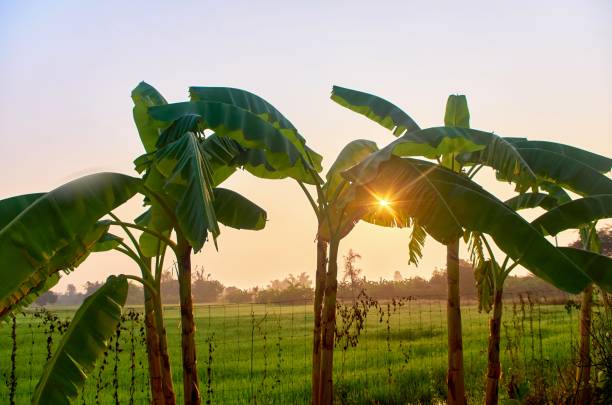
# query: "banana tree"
{"type": "Point", "coordinates": [558, 167]}
{"type": "Point", "coordinates": [448, 205]}
{"type": "Point", "coordinates": [44, 233]}
{"type": "Point", "coordinates": [184, 167]}
{"type": "Point", "coordinates": [446, 145]}
{"type": "Point", "coordinates": [491, 275]}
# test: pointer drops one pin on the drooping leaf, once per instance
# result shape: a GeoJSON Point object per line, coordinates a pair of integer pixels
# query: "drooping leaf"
{"type": "Point", "coordinates": [565, 172]}
{"type": "Point", "coordinates": [416, 243]}
{"type": "Point", "coordinates": [483, 275]}
{"type": "Point", "coordinates": [226, 155]}
{"type": "Point", "coordinates": [35, 244]}
{"type": "Point", "coordinates": [475, 248]}
{"type": "Point", "coordinates": [13, 206]}
{"type": "Point", "coordinates": [238, 212]}
{"type": "Point", "coordinates": [574, 214]}
{"type": "Point", "coordinates": [597, 267]}
{"type": "Point", "coordinates": [222, 153]}
{"type": "Point", "coordinates": [375, 108]}
{"type": "Point", "coordinates": [186, 123]}
{"type": "Point", "coordinates": [447, 204]}
{"type": "Point", "coordinates": [248, 129]}
{"type": "Point", "coordinates": [600, 163]}
{"type": "Point", "coordinates": [531, 200]}
{"type": "Point", "coordinates": [85, 340]}
{"type": "Point", "coordinates": [188, 182]}
{"type": "Point", "coordinates": [258, 106]}
{"type": "Point", "coordinates": [457, 113]}
{"type": "Point", "coordinates": [145, 96]}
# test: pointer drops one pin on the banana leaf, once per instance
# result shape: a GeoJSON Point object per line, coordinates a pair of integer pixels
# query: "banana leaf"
{"type": "Point", "coordinates": [447, 205]}
{"type": "Point", "coordinates": [375, 108]}
{"type": "Point", "coordinates": [56, 232]}
{"type": "Point", "coordinates": [574, 214]}
{"type": "Point", "coordinates": [85, 340]}
{"type": "Point", "coordinates": [238, 212]}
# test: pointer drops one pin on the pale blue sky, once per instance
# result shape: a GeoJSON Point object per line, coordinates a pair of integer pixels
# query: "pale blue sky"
{"type": "Point", "coordinates": [537, 69]}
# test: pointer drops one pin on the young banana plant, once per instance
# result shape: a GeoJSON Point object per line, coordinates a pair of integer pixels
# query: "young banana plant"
{"type": "Point", "coordinates": [184, 167]}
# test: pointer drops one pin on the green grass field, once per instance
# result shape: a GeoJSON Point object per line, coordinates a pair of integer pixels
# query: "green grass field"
{"type": "Point", "coordinates": [261, 354]}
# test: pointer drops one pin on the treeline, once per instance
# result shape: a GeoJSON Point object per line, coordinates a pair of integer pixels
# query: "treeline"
{"type": "Point", "coordinates": [298, 289]}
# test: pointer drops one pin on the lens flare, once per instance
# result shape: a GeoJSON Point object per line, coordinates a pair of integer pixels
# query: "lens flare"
{"type": "Point", "coordinates": [384, 203]}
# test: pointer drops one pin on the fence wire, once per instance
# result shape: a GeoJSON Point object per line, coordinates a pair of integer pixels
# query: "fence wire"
{"type": "Point", "coordinates": [388, 351]}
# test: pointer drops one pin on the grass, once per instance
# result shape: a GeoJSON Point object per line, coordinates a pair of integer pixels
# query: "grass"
{"type": "Point", "coordinates": [261, 354]}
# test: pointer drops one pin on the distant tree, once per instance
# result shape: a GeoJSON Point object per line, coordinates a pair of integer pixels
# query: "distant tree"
{"type": "Point", "coordinates": [204, 289]}
{"type": "Point", "coordinates": [91, 288]}
{"type": "Point", "coordinates": [304, 280]}
{"type": "Point", "coordinates": [235, 295]}
{"type": "Point", "coordinates": [71, 290]}
{"type": "Point", "coordinates": [169, 288]}
{"type": "Point", "coordinates": [605, 241]}
{"type": "Point", "coordinates": [135, 294]}
{"type": "Point", "coordinates": [278, 284]}
{"type": "Point", "coordinates": [48, 297]}
{"type": "Point", "coordinates": [351, 272]}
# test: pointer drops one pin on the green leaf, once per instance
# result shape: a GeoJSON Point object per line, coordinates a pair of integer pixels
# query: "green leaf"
{"type": "Point", "coordinates": [226, 155]}
{"type": "Point", "coordinates": [457, 114]}
{"type": "Point", "coordinates": [483, 275]}
{"type": "Point", "coordinates": [238, 212]}
{"type": "Point", "coordinates": [597, 267]}
{"type": "Point", "coordinates": [353, 153]}
{"type": "Point", "coordinates": [188, 182]}
{"type": "Point", "coordinates": [375, 108]}
{"type": "Point", "coordinates": [565, 172]}
{"type": "Point", "coordinates": [157, 219]}
{"type": "Point", "coordinates": [260, 107]}
{"type": "Point", "coordinates": [600, 163]}
{"type": "Point", "coordinates": [85, 340]}
{"type": "Point", "coordinates": [222, 153]}
{"type": "Point", "coordinates": [574, 214]}
{"type": "Point", "coordinates": [417, 241]}
{"type": "Point", "coordinates": [71, 256]}
{"type": "Point", "coordinates": [435, 142]}
{"type": "Point", "coordinates": [475, 248]}
{"type": "Point", "coordinates": [532, 200]}
{"type": "Point", "coordinates": [145, 96]}
{"type": "Point", "coordinates": [255, 161]}
{"type": "Point", "coordinates": [35, 244]}
{"type": "Point", "coordinates": [13, 206]}
{"type": "Point", "coordinates": [107, 242]}
{"type": "Point", "coordinates": [447, 204]}
{"type": "Point", "coordinates": [186, 123]}
{"type": "Point", "coordinates": [248, 129]}
{"type": "Point", "coordinates": [555, 191]}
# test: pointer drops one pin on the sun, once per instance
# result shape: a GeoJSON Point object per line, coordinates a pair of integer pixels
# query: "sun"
{"type": "Point", "coordinates": [384, 203]}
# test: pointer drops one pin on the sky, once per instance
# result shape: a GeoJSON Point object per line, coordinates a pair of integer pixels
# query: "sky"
{"type": "Point", "coordinates": [541, 69]}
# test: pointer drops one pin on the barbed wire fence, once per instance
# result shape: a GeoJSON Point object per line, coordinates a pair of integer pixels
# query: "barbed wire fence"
{"type": "Point", "coordinates": [387, 351]}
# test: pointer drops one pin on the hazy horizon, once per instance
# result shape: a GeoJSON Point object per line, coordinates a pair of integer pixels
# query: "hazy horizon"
{"type": "Point", "coordinates": [534, 69]}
